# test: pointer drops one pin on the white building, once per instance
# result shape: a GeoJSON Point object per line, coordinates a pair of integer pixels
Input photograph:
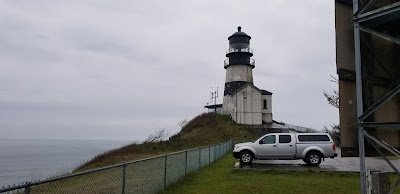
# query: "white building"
{"type": "Point", "coordinates": [243, 101]}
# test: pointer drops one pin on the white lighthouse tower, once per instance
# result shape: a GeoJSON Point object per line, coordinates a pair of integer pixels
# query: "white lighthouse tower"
{"type": "Point", "coordinates": [243, 101]}
{"type": "Point", "coordinates": [239, 65]}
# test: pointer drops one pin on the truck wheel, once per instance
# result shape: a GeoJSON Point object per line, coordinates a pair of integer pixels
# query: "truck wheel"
{"type": "Point", "coordinates": [313, 158]}
{"type": "Point", "coordinates": [246, 157]}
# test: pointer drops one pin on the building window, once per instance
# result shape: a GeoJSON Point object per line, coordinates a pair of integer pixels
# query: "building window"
{"type": "Point", "coordinates": [265, 104]}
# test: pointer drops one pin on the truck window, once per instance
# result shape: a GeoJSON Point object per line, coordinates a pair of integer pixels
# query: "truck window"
{"type": "Point", "coordinates": [285, 139]}
{"type": "Point", "coordinates": [268, 140]}
{"type": "Point", "coordinates": [303, 138]}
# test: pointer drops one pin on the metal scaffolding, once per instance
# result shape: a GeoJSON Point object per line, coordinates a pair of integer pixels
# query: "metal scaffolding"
{"type": "Point", "coordinates": [367, 16]}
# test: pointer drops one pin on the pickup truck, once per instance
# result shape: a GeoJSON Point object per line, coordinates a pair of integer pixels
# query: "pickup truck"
{"type": "Point", "coordinates": [311, 147]}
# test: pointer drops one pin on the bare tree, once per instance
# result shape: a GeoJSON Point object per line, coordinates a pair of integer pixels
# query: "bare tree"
{"type": "Point", "coordinates": [333, 100]}
{"type": "Point", "coordinates": [182, 123]}
{"type": "Point", "coordinates": [159, 135]}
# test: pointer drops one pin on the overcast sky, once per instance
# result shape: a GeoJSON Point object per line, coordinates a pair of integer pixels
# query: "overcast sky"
{"type": "Point", "coordinates": [100, 69]}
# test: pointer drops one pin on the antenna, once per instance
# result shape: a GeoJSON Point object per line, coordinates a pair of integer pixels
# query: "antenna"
{"type": "Point", "coordinates": [214, 96]}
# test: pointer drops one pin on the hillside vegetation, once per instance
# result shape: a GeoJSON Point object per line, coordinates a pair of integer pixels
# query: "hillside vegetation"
{"type": "Point", "coordinates": [205, 129]}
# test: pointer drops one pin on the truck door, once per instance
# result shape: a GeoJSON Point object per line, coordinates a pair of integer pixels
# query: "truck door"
{"type": "Point", "coordinates": [266, 147]}
{"type": "Point", "coordinates": [286, 146]}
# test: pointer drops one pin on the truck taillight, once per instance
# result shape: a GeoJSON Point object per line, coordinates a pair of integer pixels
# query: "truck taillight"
{"type": "Point", "coordinates": [334, 147]}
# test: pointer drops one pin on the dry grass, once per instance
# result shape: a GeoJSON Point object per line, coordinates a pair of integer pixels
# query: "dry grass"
{"type": "Point", "coordinates": [205, 129]}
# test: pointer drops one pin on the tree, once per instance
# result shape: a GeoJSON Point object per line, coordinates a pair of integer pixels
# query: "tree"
{"type": "Point", "coordinates": [333, 100]}
{"type": "Point", "coordinates": [334, 132]}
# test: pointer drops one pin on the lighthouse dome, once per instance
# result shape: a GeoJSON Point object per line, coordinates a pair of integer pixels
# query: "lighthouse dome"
{"type": "Point", "coordinates": [239, 33]}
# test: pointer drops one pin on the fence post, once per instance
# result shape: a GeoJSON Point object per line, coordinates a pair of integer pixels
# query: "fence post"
{"type": "Point", "coordinates": [222, 149]}
{"type": "Point", "coordinates": [186, 162]}
{"type": "Point", "coordinates": [123, 177]}
{"type": "Point", "coordinates": [218, 150]}
{"type": "Point", "coordinates": [28, 189]}
{"type": "Point", "coordinates": [209, 154]}
{"type": "Point", "coordinates": [165, 171]}
{"type": "Point", "coordinates": [199, 158]}
{"type": "Point", "coordinates": [215, 152]}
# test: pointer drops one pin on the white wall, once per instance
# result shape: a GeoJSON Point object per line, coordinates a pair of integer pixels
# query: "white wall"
{"type": "Point", "coordinates": [267, 113]}
{"type": "Point", "coordinates": [228, 106]}
{"type": "Point", "coordinates": [219, 110]}
{"type": "Point", "coordinates": [267, 117]}
{"type": "Point", "coordinates": [248, 109]}
{"type": "Point", "coordinates": [239, 73]}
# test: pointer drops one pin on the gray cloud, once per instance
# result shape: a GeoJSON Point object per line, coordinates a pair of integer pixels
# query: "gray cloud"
{"type": "Point", "coordinates": [120, 69]}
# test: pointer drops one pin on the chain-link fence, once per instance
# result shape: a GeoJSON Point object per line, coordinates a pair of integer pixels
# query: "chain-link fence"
{"type": "Point", "coordinates": [149, 175]}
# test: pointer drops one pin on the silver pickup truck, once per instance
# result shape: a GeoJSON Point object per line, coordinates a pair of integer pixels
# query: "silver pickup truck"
{"type": "Point", "coordinates": [311, 147]}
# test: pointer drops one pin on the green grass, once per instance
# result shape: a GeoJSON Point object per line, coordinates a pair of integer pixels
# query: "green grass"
{"type": "Point", "coordinates": [220, 177]}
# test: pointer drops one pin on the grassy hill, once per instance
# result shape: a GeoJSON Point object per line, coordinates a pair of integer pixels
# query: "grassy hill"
{"type": "Point", "coordinates": [205, 129]}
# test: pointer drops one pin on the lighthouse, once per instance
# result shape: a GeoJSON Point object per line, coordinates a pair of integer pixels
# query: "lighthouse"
{"type": "Point", "coordinates": [239, 65]}
{"type": "Point", "coordinates": [243, 101]}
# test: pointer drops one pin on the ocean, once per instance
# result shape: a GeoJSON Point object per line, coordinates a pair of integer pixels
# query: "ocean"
{"type": "Point", "coordinates": [28, 160]}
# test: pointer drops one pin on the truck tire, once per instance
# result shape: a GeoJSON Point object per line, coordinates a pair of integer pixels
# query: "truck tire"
{"type": "Point", "coordinates": [313, 158]}
{"type": "Point", "coordinates": [246, 157]}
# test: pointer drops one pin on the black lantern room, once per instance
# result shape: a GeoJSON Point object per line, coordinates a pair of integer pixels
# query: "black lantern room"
{"type": "Point", "coordinates": [239, 52]}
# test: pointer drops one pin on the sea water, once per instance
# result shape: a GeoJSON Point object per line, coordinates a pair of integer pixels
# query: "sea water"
{"type": "Point", "coordinates": [27, 160]}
